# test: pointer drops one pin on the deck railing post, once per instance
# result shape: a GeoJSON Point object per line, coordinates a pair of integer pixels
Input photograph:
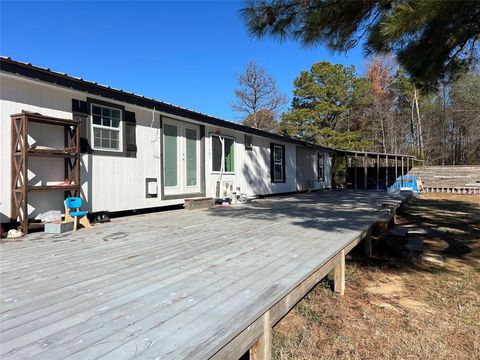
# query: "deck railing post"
{"type": "Point", "coordinates": [339, 275]}
{"type": "Point", "coordinates": [262, 349]}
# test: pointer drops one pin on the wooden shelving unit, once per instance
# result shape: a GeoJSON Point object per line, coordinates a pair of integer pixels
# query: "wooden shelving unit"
{"type": "Point", "coordinates": [21, 152]}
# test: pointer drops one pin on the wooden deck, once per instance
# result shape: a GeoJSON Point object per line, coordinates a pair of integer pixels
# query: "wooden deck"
{"type": "Point", "coordinates": [178, 284]}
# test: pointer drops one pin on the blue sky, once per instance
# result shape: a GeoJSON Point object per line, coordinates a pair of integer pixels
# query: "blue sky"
{"type": "Point", "coordinates": [186, 53]}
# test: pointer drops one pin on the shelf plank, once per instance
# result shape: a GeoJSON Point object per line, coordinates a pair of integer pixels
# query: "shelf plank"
{"type": "Point", "coordinates": [53, 188]}
{"type": "Point", "coordinates": [33, 117]}
{"type": "Point", "coordinates": [62, 153]}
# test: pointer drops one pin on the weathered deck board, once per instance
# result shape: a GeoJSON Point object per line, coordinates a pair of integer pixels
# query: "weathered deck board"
{"type": "Point", "coordinates": [179, 284]}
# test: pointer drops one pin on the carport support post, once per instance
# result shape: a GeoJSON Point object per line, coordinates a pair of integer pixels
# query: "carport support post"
{"type": "Point", "coordinates": [402, 171]}
{"type": "Point", "coordinates": [408, 165]}
{"type": "Point", "coordinates": [262, 349]}
{"type": "Point", "coordinates": [365, 176]}
{"type": "Point", "coordinates": [346, 168]}
{"type": "Point", "coordinates": [339, 275]}
{"type": "Point", "coordinates": [378, 172]}
{"type": "Point", "coordinates": [386, 171]}
{"type": "Point", "coordinates": [396, 168]}
{"type": "Point", "coordinates": [355, 165]}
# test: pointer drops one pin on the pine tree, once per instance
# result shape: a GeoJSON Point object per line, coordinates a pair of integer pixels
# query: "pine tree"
{"type": "Point", "coordinates": [432, 39]}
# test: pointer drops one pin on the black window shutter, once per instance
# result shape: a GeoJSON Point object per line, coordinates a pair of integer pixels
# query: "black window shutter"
{"type": "Point", "coordinates": [80, 113]}
{"type": "Point", "coordinates": [283, 163]}
{"type": "Point", "coordinates": [272, 167]}
{"type": "Point", "coordinates": [130, 123]}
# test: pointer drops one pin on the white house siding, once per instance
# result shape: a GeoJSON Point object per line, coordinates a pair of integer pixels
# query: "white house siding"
{"type": "Point", "coordinates": [252, 167]}
{"type": "Point", "coordinates": [17, 95]}
{"type": "Point", "coordinates": [307, 169]}
{"type": "Point", "coordinates": [118, 183]}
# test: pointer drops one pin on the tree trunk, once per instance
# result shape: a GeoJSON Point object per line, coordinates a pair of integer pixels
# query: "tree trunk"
{"type": "Point", "coordinates": [419, 124]}
{"type": "Point", "coordinates": [412, 126]}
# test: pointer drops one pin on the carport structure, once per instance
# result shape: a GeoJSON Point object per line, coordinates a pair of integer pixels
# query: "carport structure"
{"type": "Point", "coordinates": [374, 170]}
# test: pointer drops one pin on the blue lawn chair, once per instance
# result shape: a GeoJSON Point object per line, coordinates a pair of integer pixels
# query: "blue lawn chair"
{"type": "Point", "coordinates": [75, 203]}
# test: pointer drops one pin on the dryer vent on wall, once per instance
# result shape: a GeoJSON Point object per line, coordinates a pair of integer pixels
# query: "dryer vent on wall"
{"type": "Point", "coordinates": [151, 188]}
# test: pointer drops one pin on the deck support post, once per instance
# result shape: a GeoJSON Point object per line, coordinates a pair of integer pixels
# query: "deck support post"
{"type": "Point", "coordinates": [262, 349]}
{"type": "Point", "coordinates": [368, 244]}
{"type": "Point", "coordinates": [365, 175]}
{"type": "Point", "coordinates": [339, 275]}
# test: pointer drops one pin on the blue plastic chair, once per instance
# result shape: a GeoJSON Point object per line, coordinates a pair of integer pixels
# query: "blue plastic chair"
{"type": "Point", "coordinates": [75, 203]}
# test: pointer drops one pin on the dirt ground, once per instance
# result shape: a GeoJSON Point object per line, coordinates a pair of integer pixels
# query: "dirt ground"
{"type": "Point", "coordinates": [422, 306]}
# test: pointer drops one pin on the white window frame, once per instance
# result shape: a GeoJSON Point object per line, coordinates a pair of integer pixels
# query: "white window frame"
{"type": "Point", "coordinates": [223, 153]}
{"type": "Point", "coordinates": [119, 129]}
{"type": "Point", "coordinates": [278, 162]}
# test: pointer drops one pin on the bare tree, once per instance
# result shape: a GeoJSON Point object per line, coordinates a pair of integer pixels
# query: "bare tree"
{"type": "Point", "coordinates": [257, 96]}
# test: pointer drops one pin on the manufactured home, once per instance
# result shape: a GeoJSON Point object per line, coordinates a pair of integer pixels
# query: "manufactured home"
{"type": "Point", "coordinates": [121, 151]}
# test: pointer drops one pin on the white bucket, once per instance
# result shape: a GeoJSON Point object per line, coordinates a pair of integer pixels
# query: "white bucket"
{"type": "Point", "coordinates": [393, 191]}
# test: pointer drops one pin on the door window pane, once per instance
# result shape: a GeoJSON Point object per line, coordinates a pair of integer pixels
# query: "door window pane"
{"type": "Point", "coordinates": [171, 156]}
{"type": "Point", "coordinates": [191, 156]}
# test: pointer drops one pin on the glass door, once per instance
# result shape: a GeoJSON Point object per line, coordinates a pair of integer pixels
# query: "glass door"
{"type": "Point", "coordinates": [181, 157]}
{"type": "Point", "coordinates": [171, 157]}
{"type": "Point", "coordinates": [192, 159]}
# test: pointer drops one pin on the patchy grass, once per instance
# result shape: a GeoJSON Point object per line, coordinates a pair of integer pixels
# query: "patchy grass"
{"type": "Point", "coordinates": [396, 308]}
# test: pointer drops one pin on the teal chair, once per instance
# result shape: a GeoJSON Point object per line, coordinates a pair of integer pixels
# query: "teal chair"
{"type": "Point", "coordinates": [75, 204]}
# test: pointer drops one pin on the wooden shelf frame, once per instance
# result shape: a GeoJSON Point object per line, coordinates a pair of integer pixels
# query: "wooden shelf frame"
{"type": "Point", "coordinates": [21, 152]}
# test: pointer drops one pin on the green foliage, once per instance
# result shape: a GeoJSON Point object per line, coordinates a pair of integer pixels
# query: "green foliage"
{"type": "Point", "coordinates": [324, 99]}
{"type": "Point", "coordinates": [345, 140]}
{"type": "Point", "coordinates": [432, 39]}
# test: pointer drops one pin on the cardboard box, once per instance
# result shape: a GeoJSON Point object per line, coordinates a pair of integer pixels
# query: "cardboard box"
{"type": "Point", "coordinates": [58, 227]}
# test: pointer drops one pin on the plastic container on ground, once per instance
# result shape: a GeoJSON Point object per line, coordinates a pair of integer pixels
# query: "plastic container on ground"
{"type": "Point", "coordinates": [51, 216]}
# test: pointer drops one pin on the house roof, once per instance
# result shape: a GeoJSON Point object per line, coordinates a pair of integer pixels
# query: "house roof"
{"type": "Point", "coordinates": [373, 154]}
{"type": "Point", "coordinates": [28, 70]}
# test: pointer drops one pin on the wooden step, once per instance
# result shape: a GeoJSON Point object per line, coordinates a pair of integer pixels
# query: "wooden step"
{"type": "Point", "coordinates": [199, 203]}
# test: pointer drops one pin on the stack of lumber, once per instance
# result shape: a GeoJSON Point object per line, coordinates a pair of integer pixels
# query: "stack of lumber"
{"type": "Point", "coordinates": [451, 179]}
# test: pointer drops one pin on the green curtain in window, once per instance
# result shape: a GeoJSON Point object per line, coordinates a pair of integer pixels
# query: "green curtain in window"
{"type": "Point", "coordinates": [229, 155]}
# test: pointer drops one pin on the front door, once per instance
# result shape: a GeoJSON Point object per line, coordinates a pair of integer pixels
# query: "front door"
{"type": "Point", "coordinates": [181, 157]}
